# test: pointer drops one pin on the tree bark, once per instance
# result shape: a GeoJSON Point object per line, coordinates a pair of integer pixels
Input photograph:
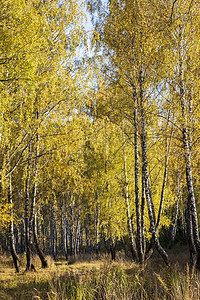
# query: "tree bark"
{"type": "Point", "coordinates": [143, 214]}
{"type": "Point", "coordinates": [128, 213]}
{"type": "Point", "coordinates": [53, 233]}
{"type": "Point", "coordinates": [187, 153]}
{"type": "Point", "coordinates": [159, 248]}
{"type": "Point", "coordinates": [28, 237]}
{"type": "Point", "coordinates": [77, 235]}
{"type": "Point", "coordinates": [192, 248]}
{"type": "Point", "coordinates": [174, 227]}
{"type": "Point", "coordinates": [164, 179]}
{"type": "Point", "coordinates": [65, 226]}
{"type": "Point", "coordinates": [37, 246]}
{"type": "Point", "coordinates": [72, 227]}
{"type": "Point", "coordinates": [112, 245]}
{"type": "Point", "coordinates": [33, 227]}
{"type": "Point", "coordinates": [137, 195]}
{"type": "Point", "coordinates": [12, 238]}
{"type": "Point", "coordinates": [97, 214]}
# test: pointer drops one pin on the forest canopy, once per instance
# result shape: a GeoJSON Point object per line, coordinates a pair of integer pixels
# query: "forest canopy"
{"type": "Point", "coordinates": [99, 128]}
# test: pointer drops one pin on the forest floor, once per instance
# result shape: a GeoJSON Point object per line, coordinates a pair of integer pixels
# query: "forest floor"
{"type": "Point", "coordinates": [91, 278]}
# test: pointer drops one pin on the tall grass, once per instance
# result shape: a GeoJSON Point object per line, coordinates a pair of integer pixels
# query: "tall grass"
{"type": "Point", "coordinates": [112, 281]}
{"type": "Point", "coordinates": [99, 280]}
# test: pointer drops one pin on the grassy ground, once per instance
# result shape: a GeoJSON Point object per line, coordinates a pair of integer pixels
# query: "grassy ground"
{"type": "Point", "coordinates": [36, 285]}
{"type": "Point", "coordinates": [100, 279]}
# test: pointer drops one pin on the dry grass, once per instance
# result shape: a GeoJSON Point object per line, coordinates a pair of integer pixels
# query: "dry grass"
{"type": "Point", "coordinates": [99, 279]}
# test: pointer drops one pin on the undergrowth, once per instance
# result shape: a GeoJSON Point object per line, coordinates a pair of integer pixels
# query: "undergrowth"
{"type": "Point", "coordinates": [99, 280]}
{"type": "Point", "coordinates": [113, 281]}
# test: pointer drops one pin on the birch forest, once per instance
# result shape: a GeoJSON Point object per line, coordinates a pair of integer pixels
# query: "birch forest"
{"type": "Point", "coordinates": [99, 133]}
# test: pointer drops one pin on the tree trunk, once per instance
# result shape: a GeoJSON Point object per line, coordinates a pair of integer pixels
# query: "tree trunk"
{"type": "Point", "coordinates": [174, 227]}
{"type": "Point", "coordinates": [72, 227]}
{"type": "Point", "coordinates": [28, 238]}
{"type": "Point", "coordinates": [53, 233]}
{"type": "Point", "coordinates": [137, 195]}
{"type": "Point", "coordinates": [12, 238]}
{"type": "Point", "coordinates": [143, 215]}
{"type": "Point", "coordinates": [77, 235]}
{"type": "Point", "coordinates": [187, 153]}
{"type": "Point", "coordinates": [37, 246]}
{"type": "Point", "coordinates": [128, 213]}
{"type": "Point", "coordinates": [164, 178]}
{"type": "Point", "coordinates": [112, 245]}
{"type": "Point", "coordinates": [33, 220]}
{"type": "Point", "coordinates": [192, 248]}
{"type": "Point", "coordinates": [150, 250]}
{"type": "Point", "coordinates": [65, 225]}
{"type": "Point", "coordinates": [22, 236]}
{"type": "Point", "coordinates": [97, 214]}
{"type": "Point", "coordinates": [159, 248]}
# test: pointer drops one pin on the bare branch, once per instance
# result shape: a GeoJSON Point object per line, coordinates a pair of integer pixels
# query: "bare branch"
{"type": "Point", "coordinates": [172, 11]}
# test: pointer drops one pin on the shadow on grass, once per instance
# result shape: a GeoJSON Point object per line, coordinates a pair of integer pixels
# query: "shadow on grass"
{"type": "Point", "coordinates": [25, 290]}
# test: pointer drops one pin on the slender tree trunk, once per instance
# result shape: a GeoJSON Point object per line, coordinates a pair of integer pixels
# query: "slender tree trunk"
{"type": "Point", "coordinates": [192, 248]}
{"type": "Point", "coordinates": [174, 227]}
{"type": "Point", "coordinates": [112, 245]}
{"type": "Point", "coordinates": [65, 225]}
{"type": "Point", "coordinates": [45, 236]}
{"type": "Point", "coordinates": [53, 234]}
{"type": "Point", "coordinates": [22, 236]}
{"type": "Point", "coordinates": [130, 228]}
{"type": "Point", "coordinates": [168, 146]}
{"type": "Point", "coordinates": [12, 238]}
{"type": "Point", "coordinates": [192, 214]}
{"type": "Point", "coordinates": [128, 213]}
{"type": "Point", "coordinates": [77, 235]}
{"type": "Point", "coordinates": [21, 228]}
{"type": "Point", "coordinates": [159, 248]}
{"type": "Point", "coordinates": [37, 246]}
{"type": "Point", "coordinates": [137, 195]}
{"type": "Point", "coordinates": [150, 196]}
{"type": "Point", "coordinates": [33, 227]}
{"type": "Point", "coordinates": [86, 236]}
{"type": "Point", "coordinates": [97, 214]}
{"type": "Point", "coordinates": [32, 220]}
{"type": "Point", "coordinates": [38, 226]}
{"type": "Point", "coordinates": [72, 245]}
{"type": "Point", "coordinates": [164, 178]}
{"type": "Point", "coordinates": [16, 234]}
{"type": "Point", "coordinates": [28, 237]}
{"type": "Point", "coordinates": [143, 214]}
